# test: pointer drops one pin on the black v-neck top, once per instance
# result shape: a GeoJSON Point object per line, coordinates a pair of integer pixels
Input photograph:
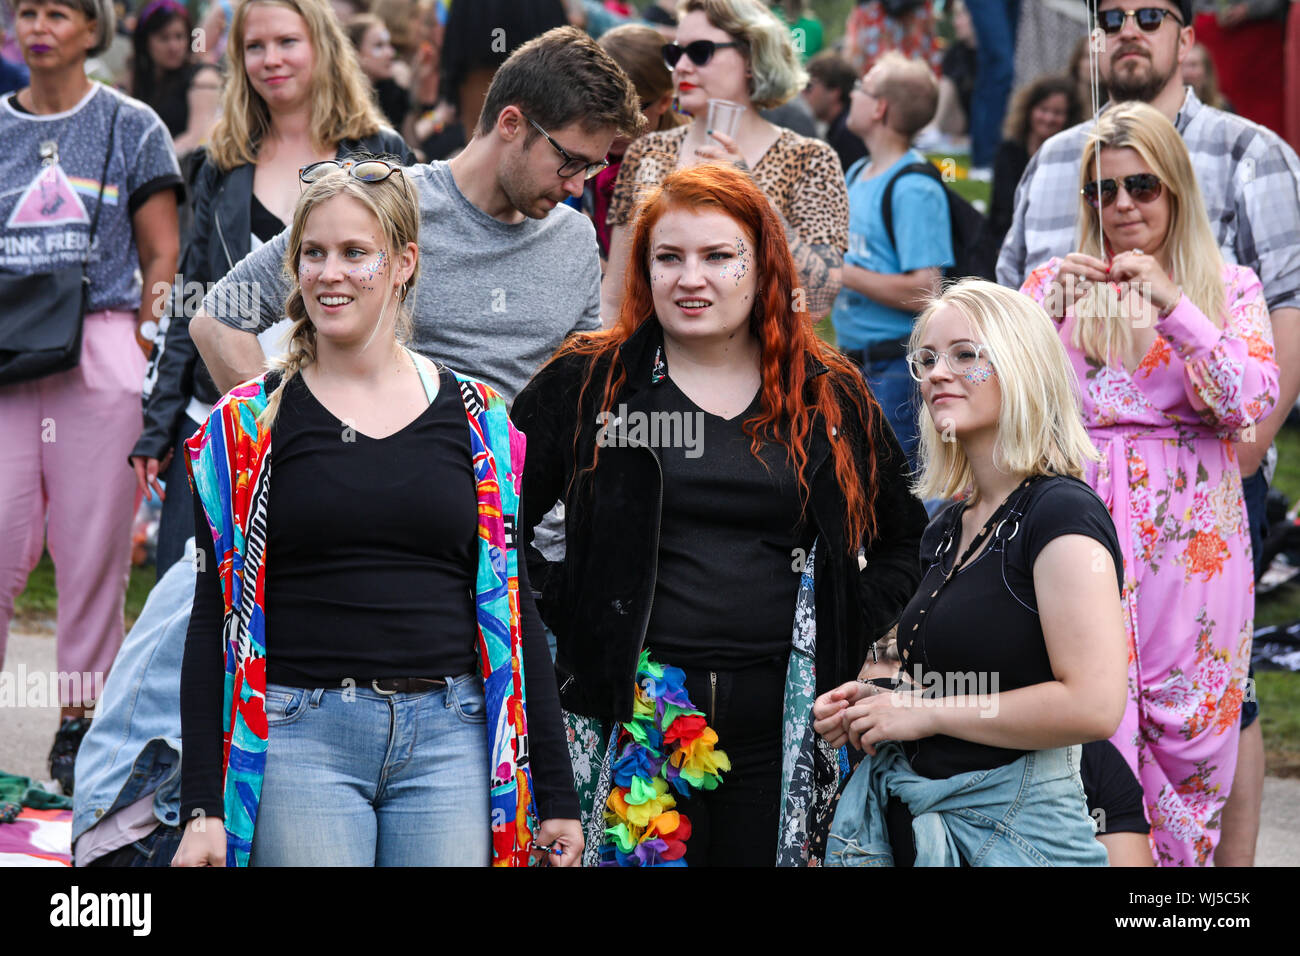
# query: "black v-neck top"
{"type": "Point", "coordinates": [730, 530]}
{"type": "Point", "coordinates": [372, 556]}
{"type": "Point", "coordinates": [980, 631]}
{"type": "Point", "coordinates": [372, 545]}
{"type": "Point", "coordinates": [264, 224]}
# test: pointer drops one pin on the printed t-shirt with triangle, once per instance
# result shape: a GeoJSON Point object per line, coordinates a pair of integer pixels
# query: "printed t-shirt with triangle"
{"type": "Point", "coordinates": [46, 207]}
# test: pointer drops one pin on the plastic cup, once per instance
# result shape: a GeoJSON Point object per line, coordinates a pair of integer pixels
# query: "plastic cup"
{"type": "Point", "coordinates": [724, 117]}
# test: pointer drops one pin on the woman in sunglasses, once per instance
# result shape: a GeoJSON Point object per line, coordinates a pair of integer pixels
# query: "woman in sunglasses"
{"type": "Point", "coordinates": [388, 698]}
{"type": "Point", "coordinates": [1174, 352]}
{"type": "Point", "coordinates": [737, 50]}
{"type": "Point", "coordinates": [1012, 649]}
{"type": "Point", "coordinates": [294, 95]}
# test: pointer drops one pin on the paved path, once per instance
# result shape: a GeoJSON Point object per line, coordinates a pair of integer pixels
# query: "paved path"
{"type": "Point", "coordinates": [26, 734]}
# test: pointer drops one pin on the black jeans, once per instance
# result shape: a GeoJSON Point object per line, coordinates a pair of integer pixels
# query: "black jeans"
{"type": "Point", "coordinates": [156, 849]}
{"type": "Point", "coordinates": [176, 523]}
{"type": "Point", "coordinates": [736, 824]}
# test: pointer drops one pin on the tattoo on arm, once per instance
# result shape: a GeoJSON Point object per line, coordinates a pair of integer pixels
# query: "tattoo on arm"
{"type": "Point", "coordinates": [818, 265]}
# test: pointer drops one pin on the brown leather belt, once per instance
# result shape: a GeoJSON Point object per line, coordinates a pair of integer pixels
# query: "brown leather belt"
{"type": "Point", "coordinates": [406, 685]}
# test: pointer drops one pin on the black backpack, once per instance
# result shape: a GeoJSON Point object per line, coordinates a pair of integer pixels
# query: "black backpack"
{"type": "Point", "coordinates": [974, 248]}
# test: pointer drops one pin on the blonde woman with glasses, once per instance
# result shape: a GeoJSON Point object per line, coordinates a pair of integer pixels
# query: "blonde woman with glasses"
{"type": "Point", "coordinates": [1012, 649]}
{"type": "Point", "coordinates": [388, 693]}
{"type": "Point", "coordinates": [1174, 352]}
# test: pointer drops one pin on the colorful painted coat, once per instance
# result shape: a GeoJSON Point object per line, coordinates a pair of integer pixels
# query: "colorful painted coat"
{"type": "Point", "coordinates": [229, 461]}
{"type": "Point", "coordinates": [1170, 479]}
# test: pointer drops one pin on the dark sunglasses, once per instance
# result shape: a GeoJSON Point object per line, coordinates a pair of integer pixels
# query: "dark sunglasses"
{"type": "Point", "coordinates": [1148, 19]}
{"type": "Point", "coordinates": [700, 52]}
{"type": "Point", "coordinates": [1143, 187]}
{"type": "Point", "coordinates": [572, 164]}
{"type": "Point", "coordinates": [368, 170]}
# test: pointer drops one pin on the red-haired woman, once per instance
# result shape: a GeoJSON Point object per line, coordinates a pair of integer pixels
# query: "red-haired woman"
{"type": "Point", "coordinates": [729, 482]}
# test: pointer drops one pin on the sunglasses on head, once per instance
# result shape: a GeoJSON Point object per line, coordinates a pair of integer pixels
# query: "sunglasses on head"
{"type": "Point", "coordinates": [1143, 187]}
{"type": "Point", "coordinates": [367, 170]}
{"type": "Point", "coordinates": [1148, 19]}
{"type": "Point", "coordinates": [700, 52]}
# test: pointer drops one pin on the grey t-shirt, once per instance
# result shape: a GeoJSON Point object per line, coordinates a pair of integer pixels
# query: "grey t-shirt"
{"type": "Point", "coordinates": [494, 300]}
{"type": "Point", "coordinates": [50, 165]}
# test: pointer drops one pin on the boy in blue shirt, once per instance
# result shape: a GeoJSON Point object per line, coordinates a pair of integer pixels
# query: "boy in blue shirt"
{"type": "Point", "coordinates": [886, 283]}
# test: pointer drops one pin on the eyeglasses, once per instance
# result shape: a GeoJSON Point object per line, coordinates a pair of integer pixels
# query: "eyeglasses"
{"type": "Point", "coordinates": [368, 170]}
{"type": "Point", "coordinates": [961, 357]}
{"type": "Point", "coordinates": [1142, 187]}
{"type": "Point", "coordinates": [1148, 19]}
{"type": "Point", "coordinates": [700, 52]}
{"type": "Point", "coordinates": [572, 164]}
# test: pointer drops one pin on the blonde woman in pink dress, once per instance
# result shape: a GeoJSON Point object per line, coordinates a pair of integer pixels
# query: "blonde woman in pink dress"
{"type": "Point", "coordinates": [1174, 354]}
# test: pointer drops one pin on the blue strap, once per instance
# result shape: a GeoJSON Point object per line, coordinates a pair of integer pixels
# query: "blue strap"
{"type": "Point", "coordinates": [429, 382]}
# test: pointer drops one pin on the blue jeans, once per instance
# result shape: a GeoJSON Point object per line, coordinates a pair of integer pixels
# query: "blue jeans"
{"type": "Point", "coordinates": [1030, 812]}
{"type": "Point", "coordinates": [896, 391]}
{"type": "Point", "coordinates": [995, 23]}
{"type": "Point", "coordinates": [355, 777]}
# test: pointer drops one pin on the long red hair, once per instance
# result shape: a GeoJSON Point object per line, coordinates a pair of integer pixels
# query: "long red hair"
{"type": "Point", "coordinates": [779, 321]}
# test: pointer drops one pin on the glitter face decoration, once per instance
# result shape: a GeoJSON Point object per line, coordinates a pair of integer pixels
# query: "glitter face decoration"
{"type": "Point", "coordinates": [366, 272]}
{"type": "Point", "coordinates": [978, 374]}
{"type": "Point", "coordinates": [736, 268]}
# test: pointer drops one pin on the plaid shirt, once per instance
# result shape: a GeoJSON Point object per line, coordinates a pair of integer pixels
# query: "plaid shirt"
{"type": "Point", "coordinates": [1249, 177]}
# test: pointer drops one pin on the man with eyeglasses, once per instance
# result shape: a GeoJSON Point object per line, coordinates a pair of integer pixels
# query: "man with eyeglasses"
{"type": "Point", "coordinates": [1250, 181]}
{"type": "Point", "coordinates": [505, 277]}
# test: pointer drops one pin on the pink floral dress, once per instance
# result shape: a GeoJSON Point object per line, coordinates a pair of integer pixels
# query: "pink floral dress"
{"type": "Point", "coordinates": [1170, 478]}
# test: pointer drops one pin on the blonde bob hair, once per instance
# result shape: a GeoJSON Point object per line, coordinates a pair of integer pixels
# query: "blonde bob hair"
{"type": "Point", "coordinates": [394, 205]}
{"type": "Point", "coordinates": [777, 73]}
{"type": "Point", "coordinates": [1040, 429]}
{"type": "Point", "coordinates": [341, 105]}
{"type": "Point", "coordinates": [1102, 329]}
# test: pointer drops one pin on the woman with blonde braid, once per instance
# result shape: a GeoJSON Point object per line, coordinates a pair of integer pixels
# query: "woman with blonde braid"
{"type": "Point", "coordinates": [389, 694]}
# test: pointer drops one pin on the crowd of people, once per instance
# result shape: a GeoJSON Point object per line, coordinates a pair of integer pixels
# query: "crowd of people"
{"type": "Point", "coordinates": [588, 546]}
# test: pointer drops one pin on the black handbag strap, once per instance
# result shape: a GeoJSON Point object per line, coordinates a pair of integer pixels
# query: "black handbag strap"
{"type": "Point", "coordinates": [103, 176]}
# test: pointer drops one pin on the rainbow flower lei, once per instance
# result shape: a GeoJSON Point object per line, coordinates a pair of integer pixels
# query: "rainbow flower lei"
{"type": "Point", "coordinates": [666, 746]}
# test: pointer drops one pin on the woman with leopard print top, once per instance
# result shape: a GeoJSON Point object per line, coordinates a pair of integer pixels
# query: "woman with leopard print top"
{"type": "Point", "coordinates": [736, 50]}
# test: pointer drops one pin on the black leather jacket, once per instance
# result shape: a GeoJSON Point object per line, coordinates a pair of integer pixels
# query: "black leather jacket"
{"type": "Point", "coordinates": [219, 237]}
{"type": "Point", "coordinates": [598, 600]}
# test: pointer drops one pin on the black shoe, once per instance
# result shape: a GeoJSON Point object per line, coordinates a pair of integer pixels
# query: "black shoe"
{"type": "Point", "coordinates": [63, 755]}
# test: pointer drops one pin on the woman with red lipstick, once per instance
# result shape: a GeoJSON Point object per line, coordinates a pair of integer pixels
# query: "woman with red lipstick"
{"type": "Point", "coordinates": [294, 95]}
{"type": "Point", "coordinates": [88, 182]}
{"type": "Point", "coordinates": [737, 511]}
{"type": "Point", "coordinates": [1174, 350]}
{"type": "Point", "coordinates": [737, 50]}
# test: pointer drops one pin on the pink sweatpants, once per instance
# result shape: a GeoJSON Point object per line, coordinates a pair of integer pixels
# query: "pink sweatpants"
{"type": "Point", "coordinates": [64, 442]}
